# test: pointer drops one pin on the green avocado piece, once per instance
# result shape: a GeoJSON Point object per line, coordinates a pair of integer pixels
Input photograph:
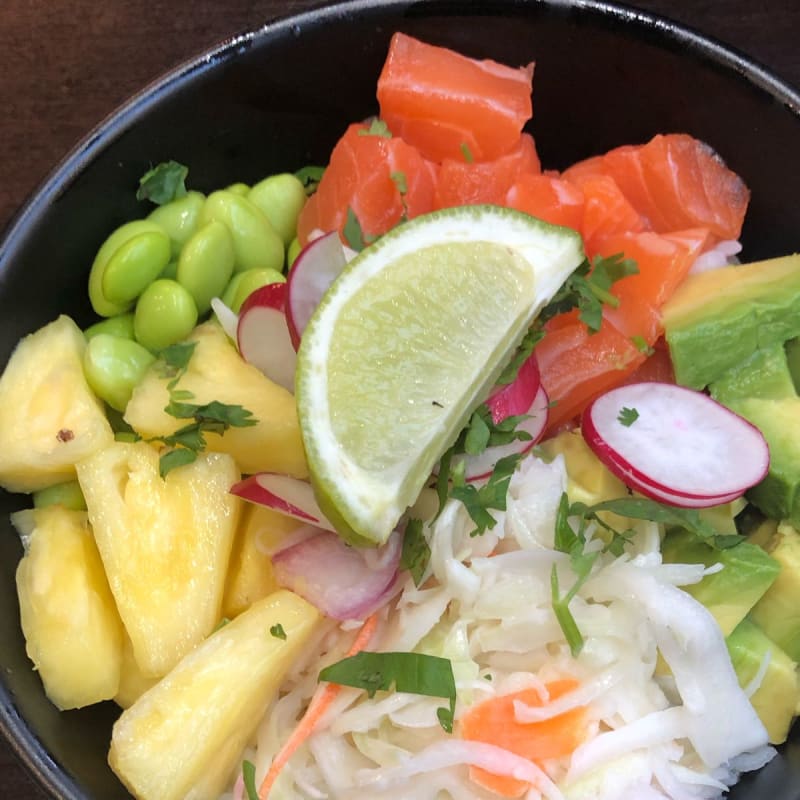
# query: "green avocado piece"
{"type": "Point", "coordinates": [765, 374]}
{"type": "Point", "coordinates": [793, 360]}
{"type": "Point", "coordinates": [747, 573]}
{"type": "Point", "coordinates": [777, 613]}
{"type": "Point", "coordinates": [776, 699]}
{"type": "Point", "coordinates": [717, 319]}
{"type": "Point", "coordinates": [761, 390]}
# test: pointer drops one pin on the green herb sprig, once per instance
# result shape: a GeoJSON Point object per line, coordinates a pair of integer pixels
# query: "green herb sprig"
{"type": "Point", "coordinates": [163, 183]}
{"type": "Point", "coordinates": [588, 289]}
{"type": "Point", "coordinates": [415, 673]}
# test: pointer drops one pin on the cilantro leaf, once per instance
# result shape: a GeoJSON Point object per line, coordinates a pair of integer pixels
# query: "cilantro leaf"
{"type": "Point", "coordinates": [175, 458]}
{"type": "Point", "coordinates": [627, 416]}
{"type": "Point", "coordinates": [377, 127]}
{"type": "Point", "coordinates": [354, 234]}
{"type": "Point", "coordinates": [587, 289]}
{"type": "Point", "coordinates": [310, 177]}
{"type": "Point", "coordinates": [249, 778]}
{"type": "Point", "coordinates": [277, 631]}
{"type": "Point", "coordinates": [416, 551]}
{"type": "Point", "coordinates": [640, 343]}
{"type": "Point", "coordinates": [163, 183]}
{"type": "Point", "coordinates": [467, 153]}
{"type": "Point", "coordinates": [400, 181]}
{"type": "Point", "coordinates": [415, 673]}
{"type": "Point", "coordinates": [522, 354]}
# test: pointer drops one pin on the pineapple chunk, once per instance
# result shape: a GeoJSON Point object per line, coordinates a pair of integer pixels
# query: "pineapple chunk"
{"type": "Point", "coordinates": [73, 632]}
{"type": "Point", "coordinates": [132, 683]}
{"type": "Point", "coordinates": [250, 575]}
{"type": "Point", "coordinates": [49, 418]}
{"type": "Point", "coordinates": [165, 545]}
{"type": "Point", "coordinates": [217, 372]}
{"type": "Point", "coordinates": [184, 738]}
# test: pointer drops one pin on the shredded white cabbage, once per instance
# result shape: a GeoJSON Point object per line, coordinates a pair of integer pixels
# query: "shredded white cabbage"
{"type": "Point", "coordinates": [673, 727]}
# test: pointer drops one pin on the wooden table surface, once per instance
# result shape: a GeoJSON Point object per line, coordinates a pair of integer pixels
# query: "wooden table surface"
{"type": "Point", "coordinates": [66, 64]}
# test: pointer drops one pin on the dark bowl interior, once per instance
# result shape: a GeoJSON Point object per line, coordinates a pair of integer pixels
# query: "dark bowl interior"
{"type": "Point", "coordinates": [279, 99]}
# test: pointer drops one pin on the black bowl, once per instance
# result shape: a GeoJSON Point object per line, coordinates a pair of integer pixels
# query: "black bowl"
{"type": "Point", "coordinates": [278, 99]}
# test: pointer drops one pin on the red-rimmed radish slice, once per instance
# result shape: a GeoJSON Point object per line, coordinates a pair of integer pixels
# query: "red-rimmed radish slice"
{"type": "Point", "coordinates": [313, 271]}
{"type": "Point", "coordinates": [675, 444]}
{"type": "Point", "coordinates": [479, 467]}
{"type": "Point", "coordinates": [263, 334]}
{"type": "Point", "coordinates": [284, 494]}
{"type": "Point", "coordinates": [516, 397]}
{"type": "Point", "coordinates": [343, 582]}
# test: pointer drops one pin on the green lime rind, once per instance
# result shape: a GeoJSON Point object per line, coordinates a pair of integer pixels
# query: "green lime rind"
{"type": "Point", "coordinates": [407, 341]}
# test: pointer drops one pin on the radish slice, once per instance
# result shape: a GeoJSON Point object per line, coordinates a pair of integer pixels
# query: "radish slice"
{"type": "Point", "coordinates": [480, 467]}
{"type": "Point", "coordinates": [516, 397]}
{"type": "Point", "coordinates": [313, 271]}
{"type": "Point", "coordinates": [263, 334]}
{"type": "Point", "coordinates": [228, 318]}
{"type": "Point", "coordinates": [343, 582]}
{"type": "Point", "coordinates": [683, 447]}
{"type": "Point", "coordinates": [288, 496]}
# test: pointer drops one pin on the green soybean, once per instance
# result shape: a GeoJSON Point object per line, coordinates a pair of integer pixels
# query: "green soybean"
{"type": "Point", "coordinates": [135, 265]}
{"type": "Point", "coordinates": [67, 494]}
{"type": "Point", "coordinates": [171, 270]}
{"type": "Point", "coordinates": [165, 314]}
{"type": "Point", "coordinates": [121, 326]}
{"type": "Point", "coordinates": [206, 264]}
{"type": "Point", "coordinates": [281, 198]}
{"type": "Point", "coordinates": [243, 284]}
{"type": "Point", "coordinates": [179, 218]}
{"type": "Point", "coordinates": [238, 188]}
{"type": "Point", "coordinates": [292, 251]}
{"type": "Point", "coordinates": [100, 303]}
{"type": "Point", "coordinates": [113, 367]}
{"type": "Point", "coordinates": [255, 243]}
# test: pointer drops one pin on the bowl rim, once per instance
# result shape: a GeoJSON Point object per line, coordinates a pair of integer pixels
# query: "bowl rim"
{"type": "Point", "coordinates": [29, 750]}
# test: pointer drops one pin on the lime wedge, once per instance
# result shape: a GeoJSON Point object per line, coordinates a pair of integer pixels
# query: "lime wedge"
{"type": "Point", "coordinates": [406, 342]}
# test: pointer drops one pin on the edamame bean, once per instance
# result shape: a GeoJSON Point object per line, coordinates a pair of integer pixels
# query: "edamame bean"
{"type": "Point", "coordinates": [113, 367]}
{"type": "Point", "coordinates": [238, 188]}
{"type": "Point", "coordinates": [179, 218]}
{"type": "Point", "coordinates": [293, 251]}
{"type": "Point", "coordinates": [206, 263]}
{"type": "Point", "coordinates": [121, 326]}
{"type": "Point", "coordinates": [100, 303]}
{"type": "Point", "coordinates": [171, 270]}
{"type": "Point", "coordinates": [243, 284]}
{"type": "Point", "coordinates": [255, 243]}
{"type": "Point", "coordinates": [67, 494]}
{"type": "Point", "coordinates": [281, 198]}
{"type": "Point", "coordinates": [165, 314]}
{"type": "Point", "coordinates": [135, 265]}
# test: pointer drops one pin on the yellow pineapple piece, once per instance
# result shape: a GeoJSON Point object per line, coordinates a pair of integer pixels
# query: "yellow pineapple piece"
{"type": "Point", "coordinates": [185, 737]}
{"type": "Point", "coordinates": [132, 683]}
{"type": "Point", "coordinates": [217, 372]}
{"type": "Point", "coordinates": [49, 417]}
{"type": "Point", "coordinates": [73, 632]}
{"type": "Point", "coordinates": [250, 575]}
{"type": "Point", "coordinates": [165, 544]}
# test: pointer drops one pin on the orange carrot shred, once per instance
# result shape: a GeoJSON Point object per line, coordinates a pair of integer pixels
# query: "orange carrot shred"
{"type": "Point", "coordinates": [320, 702]}
{"type": "Point", "coordinates": [494, 721]}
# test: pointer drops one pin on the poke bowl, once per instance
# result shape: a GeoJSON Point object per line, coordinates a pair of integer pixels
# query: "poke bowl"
{"type": "Point", "coordinates": [263, 106]}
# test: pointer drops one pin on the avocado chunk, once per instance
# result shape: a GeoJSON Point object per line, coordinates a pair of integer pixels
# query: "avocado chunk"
{"type": "Point", "coordinates": [777, 697]}
{"type": "Point", "coordinates": [718, 319]}
{"type": "Point", "coordinates": [793, 359]}
{"type": "Point", "coordinates": [777, 613]}
{"type": "Point", "coordinates": [747, 573]}
{"type": "Point", "coordinates": [761, 390]}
